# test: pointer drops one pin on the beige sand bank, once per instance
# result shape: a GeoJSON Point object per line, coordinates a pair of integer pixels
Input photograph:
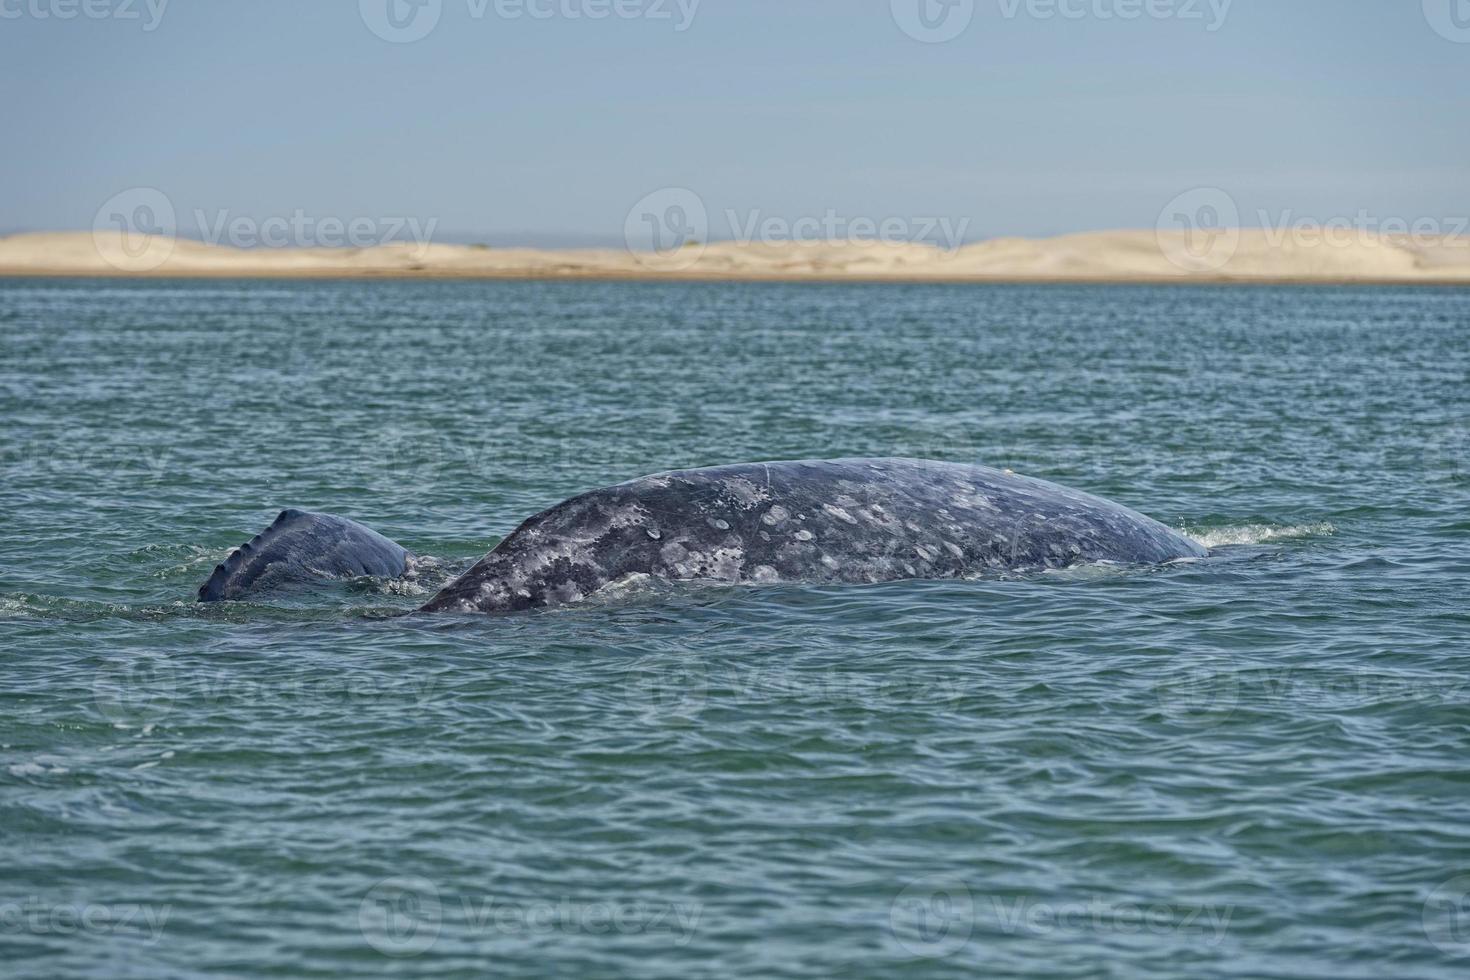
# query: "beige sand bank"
{"type": "Point", "coordinates": [1120, 256]}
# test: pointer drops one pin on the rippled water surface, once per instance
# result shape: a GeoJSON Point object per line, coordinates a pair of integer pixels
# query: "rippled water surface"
{"type": "Point", "coordinates": [1257, 765]}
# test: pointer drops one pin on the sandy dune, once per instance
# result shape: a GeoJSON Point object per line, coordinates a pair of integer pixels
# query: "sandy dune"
{"type": "Point", "coordinates": [1119, 256]}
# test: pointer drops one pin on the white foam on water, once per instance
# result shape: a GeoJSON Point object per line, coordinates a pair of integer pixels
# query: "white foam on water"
{"type": "Point", "coordinates": [41, 765]}
{"type": "Point", "coordinates": [1089, 570]}
{"type": "Point", "coordinates": [634, 583]}
{"type": "Point", "coordinates": [15, 607]}
{"type": "Point", "coordinates": [1258, 533]}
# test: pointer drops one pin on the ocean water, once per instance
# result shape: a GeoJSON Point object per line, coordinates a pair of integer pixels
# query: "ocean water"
{"type": "Point", "coordinates": [1257, 765]}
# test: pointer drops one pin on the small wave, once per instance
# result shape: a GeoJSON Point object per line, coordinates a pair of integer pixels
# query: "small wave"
{"type": "Point", "coordinates": [640, 587]}
{"type": "Point", "coordinates": [13, 607]}
{"type": "Point", "coordinates": [42, 765]}
{"type": "Point", "coordinates": [425, 576]}
{"type": "Point", "coordinates": [190, 560]}
{"type": "Point", "coordinates": [1088, 571]}
{"type": "Point", "coordinates": [1219, 537]}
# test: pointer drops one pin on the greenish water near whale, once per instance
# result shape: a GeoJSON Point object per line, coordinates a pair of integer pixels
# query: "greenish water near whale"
{"type": "Point", "coordinates": [1250, 766]}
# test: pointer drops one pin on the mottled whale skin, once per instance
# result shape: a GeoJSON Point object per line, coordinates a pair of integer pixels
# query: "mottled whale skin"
{"type": "Point", "coordinates": [301, 546]}
{"type": "Point", "coordinates": [846, 520]}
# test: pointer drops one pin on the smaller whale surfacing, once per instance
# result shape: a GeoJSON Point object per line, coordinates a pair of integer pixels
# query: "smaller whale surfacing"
{"type": "Point", "coordinates": [301, 547]}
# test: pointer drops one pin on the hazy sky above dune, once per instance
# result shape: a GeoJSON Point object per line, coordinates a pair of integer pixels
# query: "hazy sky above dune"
{"type": "Point", "coordinates": [536, 119]}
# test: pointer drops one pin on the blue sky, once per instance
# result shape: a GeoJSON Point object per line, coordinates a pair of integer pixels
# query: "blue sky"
{"type": "Point", "coordinates": [503, 126]}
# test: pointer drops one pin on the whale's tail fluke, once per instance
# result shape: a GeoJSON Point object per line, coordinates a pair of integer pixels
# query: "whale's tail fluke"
{"type": "Point", "coordinates": [302, 546]}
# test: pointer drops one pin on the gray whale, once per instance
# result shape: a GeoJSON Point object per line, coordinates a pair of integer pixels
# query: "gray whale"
{"type": "Point", "coordinates": [299, 547]}
{"type": "Point", "coordinates": [845, 520]}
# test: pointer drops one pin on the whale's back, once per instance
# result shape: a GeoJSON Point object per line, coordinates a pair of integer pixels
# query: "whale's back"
{"type": "Point", "coordinates": [302, 546]}
{"type": "Point", "coordinates": [846, 520]}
